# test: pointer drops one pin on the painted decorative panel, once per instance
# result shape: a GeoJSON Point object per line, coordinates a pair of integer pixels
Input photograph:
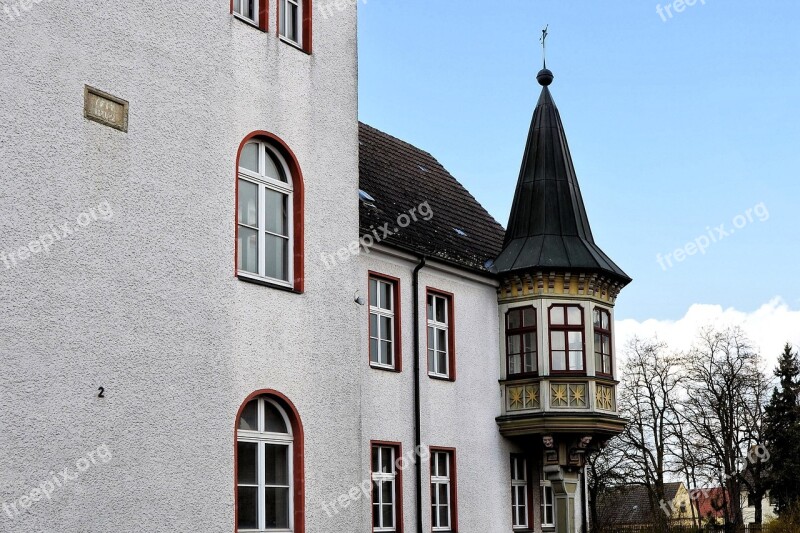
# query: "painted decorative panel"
{"type": "Point", "coordinates": [522, 397]}
{"type": "Point", "coordinates": [568, 395]}
{"type": "Point", "coordinates": [605, 397]}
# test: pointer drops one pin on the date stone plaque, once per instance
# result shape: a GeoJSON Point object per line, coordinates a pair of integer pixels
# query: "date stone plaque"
{"type": "Point", "coordinates": [104, 108]}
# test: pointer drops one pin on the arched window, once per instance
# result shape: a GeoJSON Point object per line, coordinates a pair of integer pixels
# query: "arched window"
{"type": "Point", "coordinates": [269, 230]}
{"type": "Point", "coordinates": [269, 467]}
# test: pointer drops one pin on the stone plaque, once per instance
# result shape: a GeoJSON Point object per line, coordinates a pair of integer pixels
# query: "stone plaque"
{"type": "Point", "coordinates": [105, 108]}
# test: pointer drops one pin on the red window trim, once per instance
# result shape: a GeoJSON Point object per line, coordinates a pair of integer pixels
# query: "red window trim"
{"type": "Point", "coordinates": [398, 344]}
{"type": "Point", "coordinates": [398, 483]}
{"type": "Point", "coordinates": [564, 328]}
{"type": "Point", "coordinates": [599, 330]}
{"type": "Point", "coordinates": [298, 204]}
{"type": "Point", "coordinates": [451, 330]}
{"type": "Point", "coordinates": [518, 331]}
{"type": "Point", "coordinates": [263, 14]}
{"type": "Point", "coordinates": [306, 45]}
{"type": "Point", "coordinates": [453, 484]}
{"type": "Point", "coordinates": [528, 481]}
{"type": "Point", "coordinates": [298, 459]}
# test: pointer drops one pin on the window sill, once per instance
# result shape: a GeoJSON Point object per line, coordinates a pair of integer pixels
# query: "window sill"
{"type": "Point", "coordinates": [266, 283]}
{"type": "Point", "coordinates": [249, 22]}
{"type": "Point", "coordinates": [440, 377]}
{"type": "Point", "coordinates": [293, 44]}
{"type": "Point", "coordinates": [382, 368]}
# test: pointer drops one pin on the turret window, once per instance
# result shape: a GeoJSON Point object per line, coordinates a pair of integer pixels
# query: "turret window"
{"type": "Point", "coordinates": [602, 342]}
{"type": "Point", "coordinates": [567, 343]}
{"type": "Point", "coordinates": [521, 353]}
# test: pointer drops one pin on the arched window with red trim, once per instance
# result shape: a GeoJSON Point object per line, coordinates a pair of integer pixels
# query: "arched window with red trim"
{"type": "Point", "coordinates": [269, 466]}
{"type": "Point", "coordinates": [269, 213]}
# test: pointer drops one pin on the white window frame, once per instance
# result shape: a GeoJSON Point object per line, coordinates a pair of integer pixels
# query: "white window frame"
{"type": "Point", "coordinates": [264, 182]}
{"type": "Point", "coordinates": [438, 480]}
{"type": "Point", "coordinates": [284, 22]}
{"type": "Point", "coordinates": [519, 509]}
{"type": "Point", "coordinates": [386, 313]}
{"type": "Point", "coordinates": [545, 503]}
{"type": "Point", "coordinates": [263, 438]}
{"type": "Point", "coordinates": [434, 349]}
{"type": "Point", "coordinates": [256, 11]}
{"type": "Point", "coordinates": [381, 478]}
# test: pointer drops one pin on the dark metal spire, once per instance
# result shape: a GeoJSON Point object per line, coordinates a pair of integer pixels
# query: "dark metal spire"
{"type": "Point", "coordinates": [548, 228]}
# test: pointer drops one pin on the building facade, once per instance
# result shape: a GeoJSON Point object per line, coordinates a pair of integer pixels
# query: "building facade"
{"type": "Point", "coordinates": [230, 306]}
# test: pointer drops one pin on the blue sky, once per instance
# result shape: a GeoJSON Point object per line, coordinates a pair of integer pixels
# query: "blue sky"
{"type": "Point", "coordinates": [675, 127]}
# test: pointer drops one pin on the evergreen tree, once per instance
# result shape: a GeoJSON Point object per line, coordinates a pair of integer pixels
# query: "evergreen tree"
{"type": "Point", "coordinates": [782, 432]}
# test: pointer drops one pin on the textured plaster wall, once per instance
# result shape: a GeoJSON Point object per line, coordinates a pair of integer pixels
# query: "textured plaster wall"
{"type": "Point", "coordinates": [145, 304]}
{"type": "Point", "coordinates": [458, 414]}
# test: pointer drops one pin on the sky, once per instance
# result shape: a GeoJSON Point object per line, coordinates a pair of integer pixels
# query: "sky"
{"type": "Point", "coordinates": [683, 129]}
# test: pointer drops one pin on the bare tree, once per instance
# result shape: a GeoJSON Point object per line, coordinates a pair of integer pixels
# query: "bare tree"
{"type": "Point", "coordinates": [652, 378]}
{"type": "Point", "coordinates": [720, 407]}
{"type": "Point", "coordinates": [606, 468]}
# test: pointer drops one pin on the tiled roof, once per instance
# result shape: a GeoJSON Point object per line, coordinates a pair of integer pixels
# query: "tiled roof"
{"type": "Point", "coordinates": [630, 504]}
{"type": "Point", "coordinates": [400, 177]}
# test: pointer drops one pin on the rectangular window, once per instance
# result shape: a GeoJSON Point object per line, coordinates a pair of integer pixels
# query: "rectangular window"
{"type": "Point", "coordinates": [546, 499]}
{"type": "Point", "coordinates": [519, 491]}
{"type": "Point", "coordinates": [521, 353]}
{"type": "Point", "coordinates": [567, 339]}
{"type": "Point", "coordinates": [602, 342]}
{"type": "Point", "coordinates": [384, 323]}
{"type": "Point", "coordinates": [291, 20]}
{"type": "Point", "coordinates": [386, 488]}
{"type": "Point", "coordinates": [443, 492]}
{"type": "Point", "coordinates": [441, 345]}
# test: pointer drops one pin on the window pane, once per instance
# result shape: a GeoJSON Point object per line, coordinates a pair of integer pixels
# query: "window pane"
{"type": "Point", "coordinates": [530, 342]}
{"type": "Point", "coordinates": [248, 203]}
{"type": "Point", "coordinates": [598, 362]}
{"type": "Point", "coordinates": [386, 328]}
{"type": "Point", "coordinates": [386, 296]}
{"type": "Point", "coordinates": [606, 344]}
{"type": "Point", "coordinates": [373, 292]}
{"type": "Point", "coordinates": [283, 7]}
{"type": "Point", "coordinates": [272, 168]}
{"type": "Point", "coordinates": [514, 364]}
{"type": "Point", "coordinates": [273, 420]}
{"type": "Point", "coordinates": [557, 340]}
{"type": "Point", "coordinates": [431, 360]}
{"type": "Point", "coordinates": [376, 492]}
{"type": "Point", "coordinates": [248, 250]}
{"type": "Point", "coordinates": [434, 514]}
{"type": "Point", "coordinates": [530, 362]}
{"type": "Point", "coordinates": [237, 6]}
{"type": "Point", "coordinates": [513, 319]}
{"type": "Point", "coordinates": [441, 340]}
{"type": "Point", "coordinates": [606, 324]}
{"type": "Point", "coordinates": [430, 307]}
{"type": "Point", "coordinates": [444, 510]}
{"type": "Point", "coordinates": [276, 468]}
{"type": "Point", "coordinates": [441, 310]}
{"type": "Point", "coordinates": [442, 362]}
{"type": "Point", "coordinates": [597, 320]}
{"type": "Point", "coordinates": [607, 364]}
{"type": "Point", "coordinates": [514, 344]}
{"type": "Point", "coordinates": [388, 513]}
{"type": "Point", "coordinates": [576, 360]}
{"type": "Point", "coordinates": [559, 360]}
{"type": "Point", "coordinates": [528, 317]}
{"type": "Point", "coordinates": [276, 507]}
{"type": "Point", "coordinates": [373, 325]}
{"type": "Point", "coordinates": [575, 340]}
{"type": "Point", "coordinates": [443, 464]}
{"type": "Point", "coordinates": [249, 157]}
{"type": "Point", "coordinates": [247, 463]}
{"type": "Point", "coordinates": [249, 418]}
{"type": "Point", "coordinates": [557, 316]}
{"type": "Point", "coordinates": [277, 257]}
{"type": "Point", "coordinates": [386, 493]}
{"type": "Point", "coordinates": [376, 459]}
{"type": "Point", "coordinates": [247, 507]}
{"type": "Point", "coordinates": [574, 315]}
{"type": "Point", "coordinates": [251, 9]}
{"type": "Point", "coordinates": [277, 214]}
{"type": "Point", "coordinates": [387, 460]}
{"type": "Point", "coordinates": [373, 350]}
{"type": "Point", "coordinates": [387, 357]}
{"type": "Point", "coordinates": [293, 33]}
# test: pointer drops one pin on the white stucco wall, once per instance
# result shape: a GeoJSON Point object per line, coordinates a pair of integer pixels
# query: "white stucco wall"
{"type": "Point", "coordinates": [458, 414]}
{"type": "Point", "coordinates": [145, 304]}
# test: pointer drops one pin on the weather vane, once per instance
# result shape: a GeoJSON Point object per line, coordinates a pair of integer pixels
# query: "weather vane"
{"type": "Point", "coordinates": [543, 40]}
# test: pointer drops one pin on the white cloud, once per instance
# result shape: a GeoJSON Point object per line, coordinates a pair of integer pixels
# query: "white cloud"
{"type": "Point", "coordinates": [769, 328]}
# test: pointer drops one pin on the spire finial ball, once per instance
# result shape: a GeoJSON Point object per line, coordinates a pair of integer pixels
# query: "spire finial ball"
{"type": "Point", "coordinates": [545, 77]}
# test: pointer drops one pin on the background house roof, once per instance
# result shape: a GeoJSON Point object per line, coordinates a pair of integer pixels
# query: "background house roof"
{"type": "Point", "coordinates": [630, 504]}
